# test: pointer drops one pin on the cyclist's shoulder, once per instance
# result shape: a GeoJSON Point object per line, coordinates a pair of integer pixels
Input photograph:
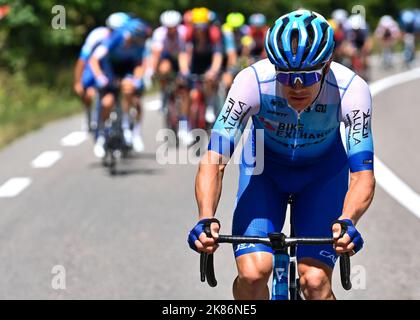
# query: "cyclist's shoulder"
{"type": "Point", "coordinates": [97, 34]}
{"type": "Point", "coordinates": [340, 76]}
{"type": "Point", "coordinates": [116, 39]}
{"type": "Point", "coordinates": [264, 70]}
{"type": "Point", "coordinates": [348, 82]}
{"type": "Point", "coordinates": [160, 30]}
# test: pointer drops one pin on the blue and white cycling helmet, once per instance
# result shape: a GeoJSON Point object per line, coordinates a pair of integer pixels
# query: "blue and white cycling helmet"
{"type": "Point", "coordinates": [136, 27]}
{"type": "Point", "coordinates": [117, 20]}
{"type": "Point", "coordinates": [314, 36]}
{"type": "Point", "coordinates": [257, 20]}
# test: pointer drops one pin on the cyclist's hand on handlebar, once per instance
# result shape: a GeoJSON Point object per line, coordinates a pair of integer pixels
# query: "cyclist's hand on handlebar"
{"type": "Point", "coordinates": [102, 81]}
{"type": "Point", "coordinates": [352, 240]}
{"type": "Point", "coordinates": [210, 75]}
{"type": "Point", "coordinates": [198, 240]}
{"type": "Point", "coordinates": [78, 88]}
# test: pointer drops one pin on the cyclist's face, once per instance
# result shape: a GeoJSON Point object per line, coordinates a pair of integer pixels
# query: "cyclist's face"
{"type": "Point", "coordinates": [301, 97]}
{"type": "Point", "coordinates": [172, 32]}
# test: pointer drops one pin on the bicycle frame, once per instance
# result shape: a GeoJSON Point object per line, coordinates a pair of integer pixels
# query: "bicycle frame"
{"type": "Point", "coordinates": [115, 145]}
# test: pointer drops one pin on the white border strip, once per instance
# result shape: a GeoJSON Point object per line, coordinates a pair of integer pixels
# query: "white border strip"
{"type": "Point", "coordinates": [387, 179]}
{"type": "Point", "coordinates": [46, 159]}
{"type": "Point", "coordinates": [74, 139]}
{"type": "Point", "coordinates": [12, 187]}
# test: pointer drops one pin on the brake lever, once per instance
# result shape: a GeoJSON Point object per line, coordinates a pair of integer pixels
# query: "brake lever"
{"type": "Point", "coordinates": [345, 265]}
{"type": "Point", "coordinates": [207, 260]}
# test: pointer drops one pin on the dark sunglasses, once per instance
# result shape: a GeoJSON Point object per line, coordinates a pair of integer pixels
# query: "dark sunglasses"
{"type": "Point", "coordinates": [306, 78]}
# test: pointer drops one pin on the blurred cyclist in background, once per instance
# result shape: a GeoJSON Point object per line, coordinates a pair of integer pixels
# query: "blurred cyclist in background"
{"type": "Point", "coordinates": [233, 30]}
{"type": "Point", "coordinates": [121, 58]}
{"type": "Point", "coordinates": [187, 18]}
{"type": "Point", "coordinates": [361, 45]}
{"type": "Point", "coordinates": [84, 80]}
{"type": "Point", "coordinates": [206, 55]}
{"type": "Point", "coordinates": [246, 57]}
{"type": "Point", "coordinates": [257, 30]}
{"type": "Point", "coordinates": [408, 26]}
{"type": "Point", "coordinates": [387, 34]}
{"type": "Point", "coordinates": [339, 24]}
{"type": "Point", "coordinates": [169, 54]}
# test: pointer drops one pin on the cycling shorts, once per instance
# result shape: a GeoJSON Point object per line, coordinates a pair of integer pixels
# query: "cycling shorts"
{"type": "Point", "coordinates": [318, 191]}
{"type": "Point", "coordinates": [173, 60]}
{"type": "Point", "coordinates": [88, 79]}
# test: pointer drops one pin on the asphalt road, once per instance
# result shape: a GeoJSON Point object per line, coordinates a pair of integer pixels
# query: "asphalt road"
{"type": "Point", "coordinates": [125, 236]}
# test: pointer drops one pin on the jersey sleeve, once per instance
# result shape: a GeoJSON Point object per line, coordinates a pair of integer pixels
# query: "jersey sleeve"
{"type": "Point", "coordinates": [116, 39]}
{"type": "Point", "coordinates": [229, 41]}
{"type": "Point", "coordinates": [356, 112]}
{"type": "Point", "coordinates": [92, 40]}
{"type": "Point", "coordinates": [158, 39]}
{"type": "Point", "coordinates": [242, 102]}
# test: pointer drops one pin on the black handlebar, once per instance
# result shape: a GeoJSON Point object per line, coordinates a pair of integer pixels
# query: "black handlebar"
{"type": "Point", "coordinates": [277, 241]}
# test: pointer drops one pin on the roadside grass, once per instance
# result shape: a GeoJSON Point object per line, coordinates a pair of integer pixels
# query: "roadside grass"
{"type": "Point", "coordinates": [25, 107]}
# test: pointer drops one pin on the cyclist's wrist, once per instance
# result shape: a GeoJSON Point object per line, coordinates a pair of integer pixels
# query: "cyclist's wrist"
{"type": "Point", "coordinates": [350, 217]}
{"type": "Point", "coordinates": [137, 82]}
{"type": "Point", "coordinates": [207, 215]}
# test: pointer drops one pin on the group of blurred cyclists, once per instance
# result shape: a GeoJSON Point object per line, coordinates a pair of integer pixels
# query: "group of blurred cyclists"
{"type": "Point", "coordinates": [354, 42]}
{"type": "Point", "coordinates": [202, 54]}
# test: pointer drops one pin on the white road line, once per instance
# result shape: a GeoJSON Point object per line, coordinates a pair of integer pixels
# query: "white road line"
{"type": "Point", "coordinates": [46, 159]}
{"type": "Point", "coordinates": [153, 105]}
{"type": "Point", "coordinates": [74, 139]}
{"type": "Point", "coordinates": [400, 191]}
{"type": "Point", "coordinates": [387, 179]}
{"type": "Point", "coordinates": [394, 80]}
{"type": "Point", "coordinates": [12, 187]}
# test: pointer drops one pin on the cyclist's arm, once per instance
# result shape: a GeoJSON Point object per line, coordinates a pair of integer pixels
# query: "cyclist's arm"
{"type": "Point", "coordinates": [356, 107]}
{"type": "Point", "coordinates": [230, 48]}
{"type": "Point", "coordinates": [217, 61]}
{"type": "Point", "coordinates": [94, 61]}
{"type": "Point", "coordinates": [183, 61]}
{"type": "Point", "coordinates": [78, 70]}
{"type": "Point", "coordinates": [217, 58]}
{"type": "Point", "coordinates": [140, 69]}
{"type": "Point", "coordinates": [102, 51]}
{"type": "Point", "coordinates": [154, 58]}
{"type": "Point", "coordinates": [85, 52]}
{"type": "Point", "coordinates": [158, 39]}
{"type": "Point", "coordinates": [183, 56]}
{"type": "Point", "coordinates": [242, 102]}
{"type": "Point", "coordinates": [359, 196]}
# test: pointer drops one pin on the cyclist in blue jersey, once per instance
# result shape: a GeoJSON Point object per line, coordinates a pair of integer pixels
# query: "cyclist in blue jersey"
{"type": "Point", "coordinates": [297, 98]}
{"type": "Point", "coordinates": [408, 25]}
{"type": "Point", "coordinates": [234, 29]}
{"type": "Point", "coordinates": [121, 57]}
{"type": "Point", "coordinates": [83, 77]}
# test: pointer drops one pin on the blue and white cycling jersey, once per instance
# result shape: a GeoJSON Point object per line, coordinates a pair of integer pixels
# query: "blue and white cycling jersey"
{"type": "Point", "coordinates": [94, 38]}
{"type": "Point", "coordinates": [293, 138]}
{"type": "Point", "coordinates": [116, 50]}
{"type": "Point", "coordinates": [303, 154]}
